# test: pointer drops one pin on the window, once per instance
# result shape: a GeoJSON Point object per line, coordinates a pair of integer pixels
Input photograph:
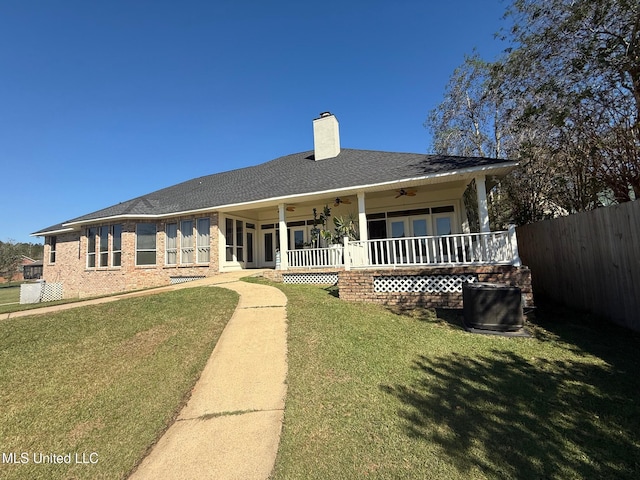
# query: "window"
{"type": "Point", "coordinates": [146, 244]}
{"type": "Point", "coordinates": [186, 241]}
{"type": "Point", "coordinates": [91, 246]}
{"type": "Point", "coordinates": [171, 244]}
{"type": "Point", "coordinates": [228, 235]}
{"type": "Point", "coordinates": [239, 240]}
{"type": "Point", "coordinates": [182, 241]}
{"type": "Point", "coordinates": [203, 240]}
{"type": "Point", "coordinates": [116, 245]}
{"type": "Point", "coordinates": [52, 248]}
{"type": "Point", "coordinates": [250, 230]}
{"type": "Point", "coordinates": [103, 234]}
{"type": "Point", "coordinates": [268, 247]}
{"type": "Point", "coordinates": [98, 246]}
{"type": "Point", "coordinates": [443, 226]}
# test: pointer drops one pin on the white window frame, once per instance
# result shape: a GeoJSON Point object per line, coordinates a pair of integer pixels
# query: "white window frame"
{"type": "Point", "coordinates": [92, 235]}
{"type": "Point", "coordinates": [53, 240]}
{"type": "Point", "coordinates": [187, 250]}
{"type": "Point", "coordinates": [102, 246]}
{"type": "Point", "coordinates": [154, 249]}
{"type": "Point", "coordinates": [203, 240]}
{"type": "Point", "coordinates": [116, 251]}
{"type": "Point", "coordinates": [171, 243]}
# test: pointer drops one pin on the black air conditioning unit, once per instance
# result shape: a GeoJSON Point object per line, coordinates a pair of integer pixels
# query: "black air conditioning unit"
{"type": "Point", "coordinates": [492, 306]}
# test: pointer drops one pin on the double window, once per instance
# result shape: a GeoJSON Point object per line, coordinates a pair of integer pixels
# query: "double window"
{"type": "Point", "coordinates": [186, 247]}
{"type": "Point", "coordinates": [102, 240]}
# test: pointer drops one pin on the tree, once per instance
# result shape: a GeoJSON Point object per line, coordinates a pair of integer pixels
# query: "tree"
{"type": "Point", "coordinates": [477, 119]}
{"type": "Point", "coordinates": [565, 99]}
{"type": "Point", "coordinates": [575, 71]}
{"type": "Point", "coordinates": [10, 258]}
{"type": "Point", "coordinates": [468, 121]}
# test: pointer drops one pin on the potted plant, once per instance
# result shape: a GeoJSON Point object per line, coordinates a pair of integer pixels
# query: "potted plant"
{"type": "Point", "coordinates": [321, 235]}
{"type": "Point", "coordinates": [346, 226]}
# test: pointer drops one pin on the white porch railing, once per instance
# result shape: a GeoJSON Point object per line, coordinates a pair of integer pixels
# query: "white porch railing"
{"type": "Point", "coordinates": [316, 257]}
{"type": "Point", "coordinates": [491, 248]}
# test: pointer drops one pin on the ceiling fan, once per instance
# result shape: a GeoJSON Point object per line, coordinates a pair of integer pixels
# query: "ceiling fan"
{"type": "Point", "coordinates": [408, 192]}
{"type": "Point", "coordinates": [291, 208]}
{"type": "Point", "coordinates": [339, 200]}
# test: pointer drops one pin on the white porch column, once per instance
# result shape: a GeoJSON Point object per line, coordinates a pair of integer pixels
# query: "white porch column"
{"type": "Point", "coordinates": [483, 207]}
{"type": "Point", "coordinates": [284, 260]}
{"type": "Point", "coordinates": [513, 240]}
{"type": "Point", "coordinates": [362, 218]}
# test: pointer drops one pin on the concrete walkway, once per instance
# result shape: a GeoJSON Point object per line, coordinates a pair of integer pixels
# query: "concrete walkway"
{"type": "Point", "coordinates": [230, 427]}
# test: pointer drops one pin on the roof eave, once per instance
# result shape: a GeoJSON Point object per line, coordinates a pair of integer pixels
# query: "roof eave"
{"type": "Point", "coordinates": [43, 233]}
{"type": "Point", "coordinates": [442, 177]}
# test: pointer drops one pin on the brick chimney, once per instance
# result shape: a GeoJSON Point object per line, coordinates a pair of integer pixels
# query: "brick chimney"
{"type": "Point", "coordinates": [326, 136]}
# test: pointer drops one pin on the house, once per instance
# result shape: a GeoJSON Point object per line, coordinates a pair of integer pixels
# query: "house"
{"type": "Point", "coordinates": [27, 269]}
{"type": "Point", "coordinates": [408, 207]}
{"type": "Point", "coordinates": [31, 269]}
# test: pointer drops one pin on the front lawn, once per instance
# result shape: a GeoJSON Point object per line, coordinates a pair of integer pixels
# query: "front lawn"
{"type": "Point", "coordinates": [101, 383]}
{"type": "Point", "coordinates": [9, 293]}
{"type": "Point", "coordinates": [378, 395]}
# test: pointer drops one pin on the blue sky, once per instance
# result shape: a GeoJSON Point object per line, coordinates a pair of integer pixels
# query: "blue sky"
{"type": "Point", "coordinates": [103, 101]}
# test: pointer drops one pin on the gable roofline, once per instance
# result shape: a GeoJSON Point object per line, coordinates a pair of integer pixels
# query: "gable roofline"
{"type": "Point", "coordinates": [497, 169]}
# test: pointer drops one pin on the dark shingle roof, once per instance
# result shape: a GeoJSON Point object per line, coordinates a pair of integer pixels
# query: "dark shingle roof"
{"type": "Point", "coordinates": [295, 174]}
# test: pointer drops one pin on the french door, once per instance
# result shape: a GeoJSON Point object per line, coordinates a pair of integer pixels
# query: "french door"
{"type": "Point", "coordinates": [239, 242]}
{"type": "Point", "coordinates": [420, 250]}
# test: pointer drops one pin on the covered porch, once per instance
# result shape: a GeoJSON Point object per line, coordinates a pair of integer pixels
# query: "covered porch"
{"type": "Point", "coordinates": [427, 234]}
{"type": "Point", "coordinates": [417, 223]}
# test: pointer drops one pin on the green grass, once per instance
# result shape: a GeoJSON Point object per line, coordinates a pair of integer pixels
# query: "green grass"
{"type": "Point", "coordinates": [17, 307]}
{"type": "Point", "coordinates": [373, 394]}
{"type": "Point", "coordinates": [9, 293]}
{"type": "Point", "coordinates": [107, 379]}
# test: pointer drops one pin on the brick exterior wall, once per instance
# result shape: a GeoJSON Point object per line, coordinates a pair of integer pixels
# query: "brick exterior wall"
{"type": "Point", "coordinates": [78, 280]}
{"type": "Point", "coordinates": [357, 285]}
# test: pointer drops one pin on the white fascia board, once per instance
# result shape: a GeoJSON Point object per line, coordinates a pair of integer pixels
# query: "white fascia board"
{"type": "Point", "coordinates": [51, 232]}
{"type": "Point", "coordinates": [432, 178]}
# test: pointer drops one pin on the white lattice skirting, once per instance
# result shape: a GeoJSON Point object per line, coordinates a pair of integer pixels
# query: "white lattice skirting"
{"type": "Point", "coordinates": [40, 292]}
{"type": "Point", "coordinates": [52, 292]}
{"type": "Point", "coordinates": [310, 278]}
{"type": "Point", "coordinates": [175, 280]}
{"type": "Point", "coordinates": [422, 284]}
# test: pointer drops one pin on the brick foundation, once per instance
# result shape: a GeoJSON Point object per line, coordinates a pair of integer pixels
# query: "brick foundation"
{"type": "Point", "coordinates": [358, 285]}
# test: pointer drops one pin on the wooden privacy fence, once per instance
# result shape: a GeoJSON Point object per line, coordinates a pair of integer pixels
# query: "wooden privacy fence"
{"type": "Point", "coordinates": [589, 261]}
